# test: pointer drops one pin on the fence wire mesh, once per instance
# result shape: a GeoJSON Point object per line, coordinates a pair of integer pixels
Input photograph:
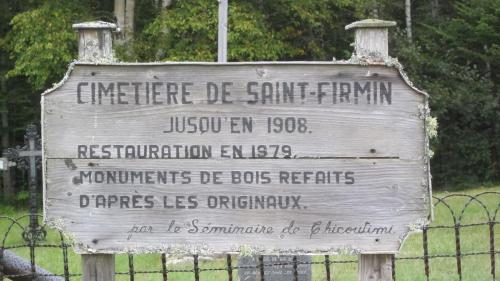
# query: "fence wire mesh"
{"type": "Point", "coordinates": [461, 244]}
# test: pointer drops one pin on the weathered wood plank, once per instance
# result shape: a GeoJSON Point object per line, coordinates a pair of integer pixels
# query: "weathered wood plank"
{"type": "Point", "coordinates": [94, 45]}
{"type": "Point", "coordinates": [339, 130]}
{"type": "Point", "coordinates": [108, 122]}
{"type": "Point", "coordinates": [382, 193]}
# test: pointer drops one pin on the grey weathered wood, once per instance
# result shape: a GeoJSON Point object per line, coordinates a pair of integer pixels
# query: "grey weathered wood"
{"type": "Point", "coordinates": [354, 130]}
{"type": "Point", "coordinates": [98, 267]}
{"type": "Point", "coordinates": [375, 267]}
{"type": "Point", "coordinates": [95, 45]}
{"type": "Point", "coordinates": [382, 144]}
{"type": "Point", "coordinates": [95, 41]}
{"type": "Point", "coordinates": [371, 42]}
{"type": "Point", "coordinates": [387, 193]}
{"type": "Point", "coordinates": [371, 38]}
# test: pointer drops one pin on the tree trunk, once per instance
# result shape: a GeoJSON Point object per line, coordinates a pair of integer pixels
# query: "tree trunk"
{"type": "Point", "coordinates": [166, 3]}
{"type": "Point", "coordinates": [8, 189]}
{"type": "Point", "coordinates": [409, 34]}
{"type": "Point", "coordinates": [129, 18]}
{"type": "Point", "coordinates": [124, 13]}
{"type": "Point", "coordinates": [434, 8]}
{"type": "Point", "coordinates": [120, 13]}
{"type": "Point", "coordinates": [494, 152]}
{"type": "Point", "coordinates": [120, 20]}
{"type": "Point", "coordinates": [374, 11]}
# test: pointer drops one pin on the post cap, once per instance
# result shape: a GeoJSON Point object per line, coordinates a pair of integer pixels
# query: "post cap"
{"type": "Point", "coordinates": [95, 43]}
{"type": "Point", "coordinates": [94, 25]}
{"type": "Point", "coordinates": [370, 23]}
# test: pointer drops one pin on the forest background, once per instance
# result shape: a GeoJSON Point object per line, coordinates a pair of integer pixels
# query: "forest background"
{"type": "Point", "coordinates": [450, 48]}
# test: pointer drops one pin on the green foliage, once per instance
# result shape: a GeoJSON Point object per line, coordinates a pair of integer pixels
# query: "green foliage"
{"type": "Point", "coordinates": [314, 30]}
{"type": "Point", "coordinates": [22, 198]}
{"type": "Point", "coordinates": [188, 32]}
{"type": "Point", "coordinates": [251, 38]}
{"type": "Point", "coordinates": [147, 10]}
{"type": "Point", "coordinates": [259, 30]}
{"type": "Point", "coordinates": [176, 35]}
{"type": "Point", "coordinates": [42, 42]}
{"type": "Point", "coordinates": [463, 80]}
{"type": "Point", "coordinates": [455, 55]}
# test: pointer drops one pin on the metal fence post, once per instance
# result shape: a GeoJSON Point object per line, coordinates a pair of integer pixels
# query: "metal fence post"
{"type": "Point", "coordinates": [95, 45]}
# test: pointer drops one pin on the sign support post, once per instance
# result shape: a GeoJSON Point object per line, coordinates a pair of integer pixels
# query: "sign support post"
{"type": "Point", "coordinates": [95, 45]}
{"type": "Point", "coordinates": [375, 267]}
{"type": "Point", "coordinates": [372, 42]}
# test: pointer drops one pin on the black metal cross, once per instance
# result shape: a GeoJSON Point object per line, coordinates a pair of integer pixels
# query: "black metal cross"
{"type": "Point", "coordinates": [29, 157]}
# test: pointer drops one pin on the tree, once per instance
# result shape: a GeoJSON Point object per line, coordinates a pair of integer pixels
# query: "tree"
{"type": "Point", "coordinates": [456, 59]}
{"type": "Point", "coordinates": [124, 12]}
{"type": "Point", "coordinates": [188, 31]}
{"type": "Point", "coordinates": [120, 12]}
{"type": "Point", "coordinates": [42, 40]}
{"type": "Point", "coordinates": [409, 33]}
{"type": "Point", "coordinates": [454, 54]}
{"type": "Point", "coordinates": [12, 92]}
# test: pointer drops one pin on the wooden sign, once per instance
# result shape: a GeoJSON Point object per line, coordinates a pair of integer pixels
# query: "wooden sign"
{"type": "Point", "coordinates": [267, 157]}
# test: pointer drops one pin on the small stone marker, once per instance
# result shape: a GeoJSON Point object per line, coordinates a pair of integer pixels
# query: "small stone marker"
{"type": "Point", "coordinates": [281, 270]}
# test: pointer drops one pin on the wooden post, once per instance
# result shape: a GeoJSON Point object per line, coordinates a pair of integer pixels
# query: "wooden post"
{"type": "Point", "coordinates": [376, 267]}
{"type": "Point", "coordinates": [371, 38]}
{"type": "Point", "coordinates": [98, 267]}
{"type": "Point", "coordinates": [95, 41]}
{"type": "Point", "coordinates": [96, 45]}
{"type": "Point", "coordinates": [372, 42]}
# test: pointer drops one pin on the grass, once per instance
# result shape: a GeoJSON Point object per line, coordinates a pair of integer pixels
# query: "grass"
{"type": "Point", "coordinates": [441, 241]}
